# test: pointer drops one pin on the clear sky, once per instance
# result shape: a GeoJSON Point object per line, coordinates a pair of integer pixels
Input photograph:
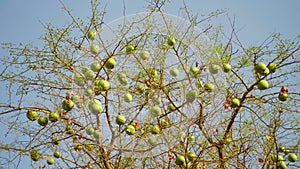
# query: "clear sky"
{"type": "Point", "coordinates": [257, 19]}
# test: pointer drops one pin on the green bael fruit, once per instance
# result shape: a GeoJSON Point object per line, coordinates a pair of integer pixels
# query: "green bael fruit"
{"type": "Point", "coordinates": [263, 85]}
{"type": "Point", "coordinates": [191, 96]}
{"type": "Point", "coordinates": [155, 111]}
{"type": "Point", "coordinates": [34, 155]}
{"type": "Point", "coordinates": [127, 97]}
{"type": "Point", "coordinates": [95, 66]}
{"type": "Point", "coordinates": [32, 115]}
{"type": "Point", "coordinates": [174, 72]}
{"type": "Point", "coordinates": [54, 116]}
{"type": "Point", "coordinates": [281, 165]}
{"type": "Point", "coordinates": [94, 49]}
{"type": "Point", "coordinates": [43, 121]}
{"type": "Point", "coordinates": [102, 85]}
{"type": "Point", "coordinates": [272, 67]}
{"type": "Point", "coordinates": [194, 71]}
{"type": "Point", "coordinates": [144, 55]}
{"type": "Point", "coordinates": [56, 154]}
{"type": "Point", "coordinates": [282, 96]}
{"type": "Point", "coordinates": [213, 68]}
{"type": "Point", "coordinates": [292, 157]}
{"type": "Point", "coordinates": [191, 156]}
{"type": "Point", "coordinates": [140, 89]}
{"type": "Point", "coordinates": [209, 87]}
{"type": "Point", "coordinates": [88, 92]}
{"type": "Point", "coordinates": [110, 63]}
{"type": "Point", "coordinates": [95, 106]}
{"type": "Point", "coordinates": [89, 130]}
{"type": "Point", "coordinates": [130, 130]}
{"type": "Point", "coordinates": [97, 134]}
{"type": "Point", "coordinates": [155, 129]}
{"type": "Point", "coordinates": [69, 130]}
{"type": "Point", "coordinates": [130, 49]}
{"type": "Point", "coordinates": [235, 102]}
{"type": "Point", "coordinates": [191, 138]}
{"type": "Point", "coordinates": [120, 119]}
{"type": "Point", "coordinates": [171, 107]}
{"type": "Point", "coordinates": [226, 67]}
{"type": "Point", "coordinates": [123, 78]}
{"type": "Point", "coordinates": [152, 141]}
{"type": "Point", "coordinates": [79, 80]}
{"type": "Point", "coordinates": [55, 140]}
{"type": "Point", "coordinates": [67, 105]}
{"type": "Point", "coordinates": [260, 67]}
{"type": "Point", "coordinates": [89, 74]}
{"type": "Point", "coordinates": [180, 160]}
{"type": "Point", "coordinates": [171, 41]}
{"type": "Point", "coordinates": [91, 35]}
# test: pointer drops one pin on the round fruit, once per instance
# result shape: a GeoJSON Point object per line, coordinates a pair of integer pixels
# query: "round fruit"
{"type": "Point", "coordinates": [260, 67]}
{"type": "Point", "coordinates": [120, 119]}
{"type": "Point", "coordinates": [283, 96]}
{"type": "Point", "coordinates": [43, 121]}
{"type": "Point", "coordinates": [155, 129]}
{"type": "Point", "coordinates": [194, 71]}
{"type": "Point", "coordinates": [89, 74]}
{"type": "Point", "coordinates": [91, 35]}
{"type": "Point", "coordinates": [191, 96]}
{"type": "Point", "coordinates": [79, 80]}
{"type": "Point", "coordinates": [69, 130]}
{"type": "Point", "coordinates": [89, 130]}
{"type": "Point", "coordinates": [95, 49]}
{"type": "Point", "coordinates": [180, 160]}
{"type": "Point", "coordinates": [235, 102]}
{"type": "Point", "coordinates": [281, 165]}
{"type": "Point", "coordinates": [266, 72]}
{"type": "Point", "coordinates": [53, 116]}
{"type": "Point", "coordinates": [286, 151]}
{"type": "Point", "coordinates": [127, 97]}
{"type": "Point", "coordinates": [226, 67]}
{"type": "Point", "coordinates": [129, 49]}
{"type": "Point", "coordinates": [144, 55]}
{"type": "Point", "coordinates": [77, 147]}
{"type": "Point", "coordinates": [171, 107]}
{"type": "Point", "coordinates": [89, 146]}
{"type": "Point", "coordinates": [198, 83]}
{"type": "Point", "coordinates": [102, 85]}
{"type": "Point", "coordinates": [97, 134]}
{"type": "Point", "coordinates": [174, 72]}
{"type": "Point", "coordinates": [75, 98]}
{"type": "Point", "coordinates": [292, 157]}
{"type": "Point", "coordinates": [171, 41]}
{"type": "Point", "coordinates": [140, 89]}
{"type": "Point", "coordinates": [50, 160]}
{"type": "Point", "coordinates": [272, 67]}
{"type": "Point", "coordinates": [263, 85]}
{"type": "Point", "coordinates": [110, 63]}
{"type": "Point", "coordinates": [55, 140]}
{"type": "Point", "coordinates": [281, 148]}
{"type": "Point", "coordinates": [95, 106]}
{"type": "Point", "coordinates": [67, 105]}
{"type": "Point", "coordinates": [34, 155]}
{"type": "Point", "coordinates": [227, 141]}
{"type": "Point", "coordinates": [209, 87]}
{"type": "Point", "coordinates": [130, 130]}
{"type": "Point", "coordinates": [88, 92]}
{"type": "Point", "coordinates": [56, 154]}
{"type": "Point", "coordinates": [155, 111]}
{"type": "Point", "coordinates": [191, 156]}
{"type": "Point", "coordinates": [191, 138]}
{"type": "Point", "coordinates": [32, 115]}
{"type": "Point", "coordinates": [152, 141]}
{"type": "Point", "coordinates": [275, 159]}
{"type": "Point", "coordinates": [95, 67]}
{"type": "Point", "coordinates": [213, 68]}
{"type": "Point", "coordinates": [122, 78]}
{"type": "Point", "coordinates": [164, 124]}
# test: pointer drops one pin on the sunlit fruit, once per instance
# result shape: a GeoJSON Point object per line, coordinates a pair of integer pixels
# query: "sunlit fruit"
{"type": "Point", "coordinates": [292, 157]}
{"type": "Point", "coordinates": [209, 87]}
{"type": "Point", "coordinates": [54, 116]}
{"type": "Point", "coordinates": [266, 72]}
{"type": "Point", "coordinates": [198, 83]}
{"type": "Point", "coordinates": [102, 85]}
{"type": "Point", "coordinates": [260, 67]}
{"type": "Point", "coordinates": [191, 95]}
{"type": "Point", "coordinates": [77, 147]}
{"type": "Point", "coordinates": [122, 78]}
{"type": "Point", "coordinates": [95, 49]}
{"type": "Point", "coordinates": [171, 107]}
{"type": "Point", "coordinates": [140, 89]}
{"type": "Point", "coordinates": [227, 141]}
{"type": "Point", "coordinates": [69, 130]}
{"type": "Point", "coordinates": [180, 160]}
{"type": "Point", "coordinates": [88, 92]}
{"type": "Point", "coordinates": [144, 55]}
{"type": "Point", "coordinates": [97, 133]}
{"type": "Point", "coordinates": [34, 155]}
{"type": "Point", "coordinates": [55, 140]}
{"type": "Point", "coordinates": [191, 156]}
{"type": "Point", "coordinates": [275, 158]}
{"type": "Point", "coordinates": [282, 96]}
{"type": "Point", "coordinates": [120, 119]}
{"type": "Point", "coordinates": [191, 138]}
{"type": "Point", "coordinates": [75, 98]}
{"type": "Point", "coordinates": [164, 124]}
{"type": "Point", "coordinates": [95, 106]}
{"type": "Point", "coordinates": [129, 49]}
{"type": "Point", "coordinates": [281, 165]}
{"type": "Point", "coordinates": [226, 67]}
{"type": "Point", "coordinates": [43, 121]}
{"type": "Point", "coordinates": [79, 80]}
{"type": "Point", "coordinates": [130, 130]}
{"type": "Point", "coordinates": [89, 74]}
{"type": "Point", "coordinates": [272, 67]}
{"type": "Point", "coordinates": [213, 68]}
{"type": "Point", "coordinates": [95, 66]}
{"type": "Point", "coordinates": [67, 105]}
{"type": "Point", "coordinates": [155, 129]}
{"type": "Point", "coordinates": [91, 35]}
{"type": "Point", "coordinates": [32, 115]}
{"type": "Point", "coordinates": [281, 148]}
{"type": "Point", "coordinates": [286, 151]}
{"type": "Point", "coordinates": [50, 161]}
{"type": "Point", "coordinates": [235, 102]}
{"type": "Point", "coordinates": [127, 97]}
{"type": "Point", "coordinates": [152, 141]}
{"type": "Point", "coordinates": [263, 85]}
{"type": "Point", "coordinates": [89, 146]}
{"type": "Point", "coordinates": [56, 154]}
{"type": "Point", "coordinates": [110, 63]}
{"type": "Point", "coordinates": [89, 131]}
{"type": "Point", "coordinates": [194, 71]}
{"type": "Point", "coordinates": [171, 41]}
{"type": "Point", "coordinates": [155, 111]}
{"type": "Point", "coordinates": [174, 72]}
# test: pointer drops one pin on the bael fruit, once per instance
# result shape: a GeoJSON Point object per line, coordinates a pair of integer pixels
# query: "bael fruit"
{"type": "Point", "coordinates": [198, 83]}
{"type": "Point", "coordinates": [67, 105]}
{"type": "Point", "coordinates": [95, 66]}
{"type": "Point", "coordinates": [69, 130]}
{"type": "Point", "coordinates": [155, 111]}
{"type": "Point", "coordinates": [32, 115]}
{"type": "Point", "coordinates": [94, 49]}
{"type": "Point", "coordinates": [171, 41]}
{"type": "Point", "coordinates": [54, 116]}
{"type": "Point", "coordinates": [144, 55]}
{"type": "Point", "coordinates": [266, 72]}
{"type": "Point", "coordinates": [235, 102]}
{"type": "Point", "coordinates": [292, 157]}
{"type": "Point", "coordinates": [260, 67]}
{"type": "Point", "coordinates": [272, 67]}
{"type": "Point", "coordinates": [50, 161]}
{"type": "Point", "coordinates": [43, 121]}
{"type": "Point", "coordinates": [156, 99]}
{"type": "Point", "coordinates": [130, 130]}
{"type": "Point", "coordinates": [180, 160]}
{"type": "Point", "coordinates": [79, 80]}
{"type": "Point", "coordinates": [120, 119]}
{"type": "Point", "coordinates": [281, 165]}
{"type": "Point", "coordinates": [226, 67]}
{"type": "Point", "coordinates": [282, 96]}
{"type": "Point", "coordinates": [95, 106]}
{"type": "Point", "coordinates": [89, 74]}
{"type": "Point", "coordinates": [88, 92]}
{"type": "Point", "coordinates": [130, 49]}
{"type": "Point", "coordinates": [194, 71]}
{"type": "Point", "coordinates": [191, 156]}
{"type": "Point", "coordinates": [55, 140]}
{"type": "Point", "coordinates": [102, 85]}
{"type": "Point", "coordinates": [34, 155]}
{"type": "Point", "coordinates": [56, 154]}
{"type": "Point", "coordinates": [263, 85]}
{"type": "Point", "coordinates": [127, 97]}
{"type": "Point", "coordinates": [152, 141]}
{"type": "Point", "coordinates": [191, 96]}
{"type": "Point", "coordinates": [174, 72]}
{"type": "Point", "coordinates": [171, 107]}
{"type": "Point", "coordinates": [191, 138]}
{"type": "Point", "coordinates": [122, 78]}
{"type": "Point", "coordinates": [91, 35]}
{"type": "Point", "coordinates": [77, 147]}
{"type": "Point", "coordinates": [209, 87]}
{"type": "Point", "coordinates": [89, 131]}
{"type": "Point", "coordinates": [110, 63]}
{"type": "Point", "coordinates": [97, 133]}
{"type": "Point", "coordinates": [164, 124]}
{"type": "Point", "coordinates": [140, 89]}
{"type": "Point", "coordinates": [155, 129]}
{"type": "Point", "coordinates": [281, 148]}
{"type": "Point", "coordinates": [213, 68]}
